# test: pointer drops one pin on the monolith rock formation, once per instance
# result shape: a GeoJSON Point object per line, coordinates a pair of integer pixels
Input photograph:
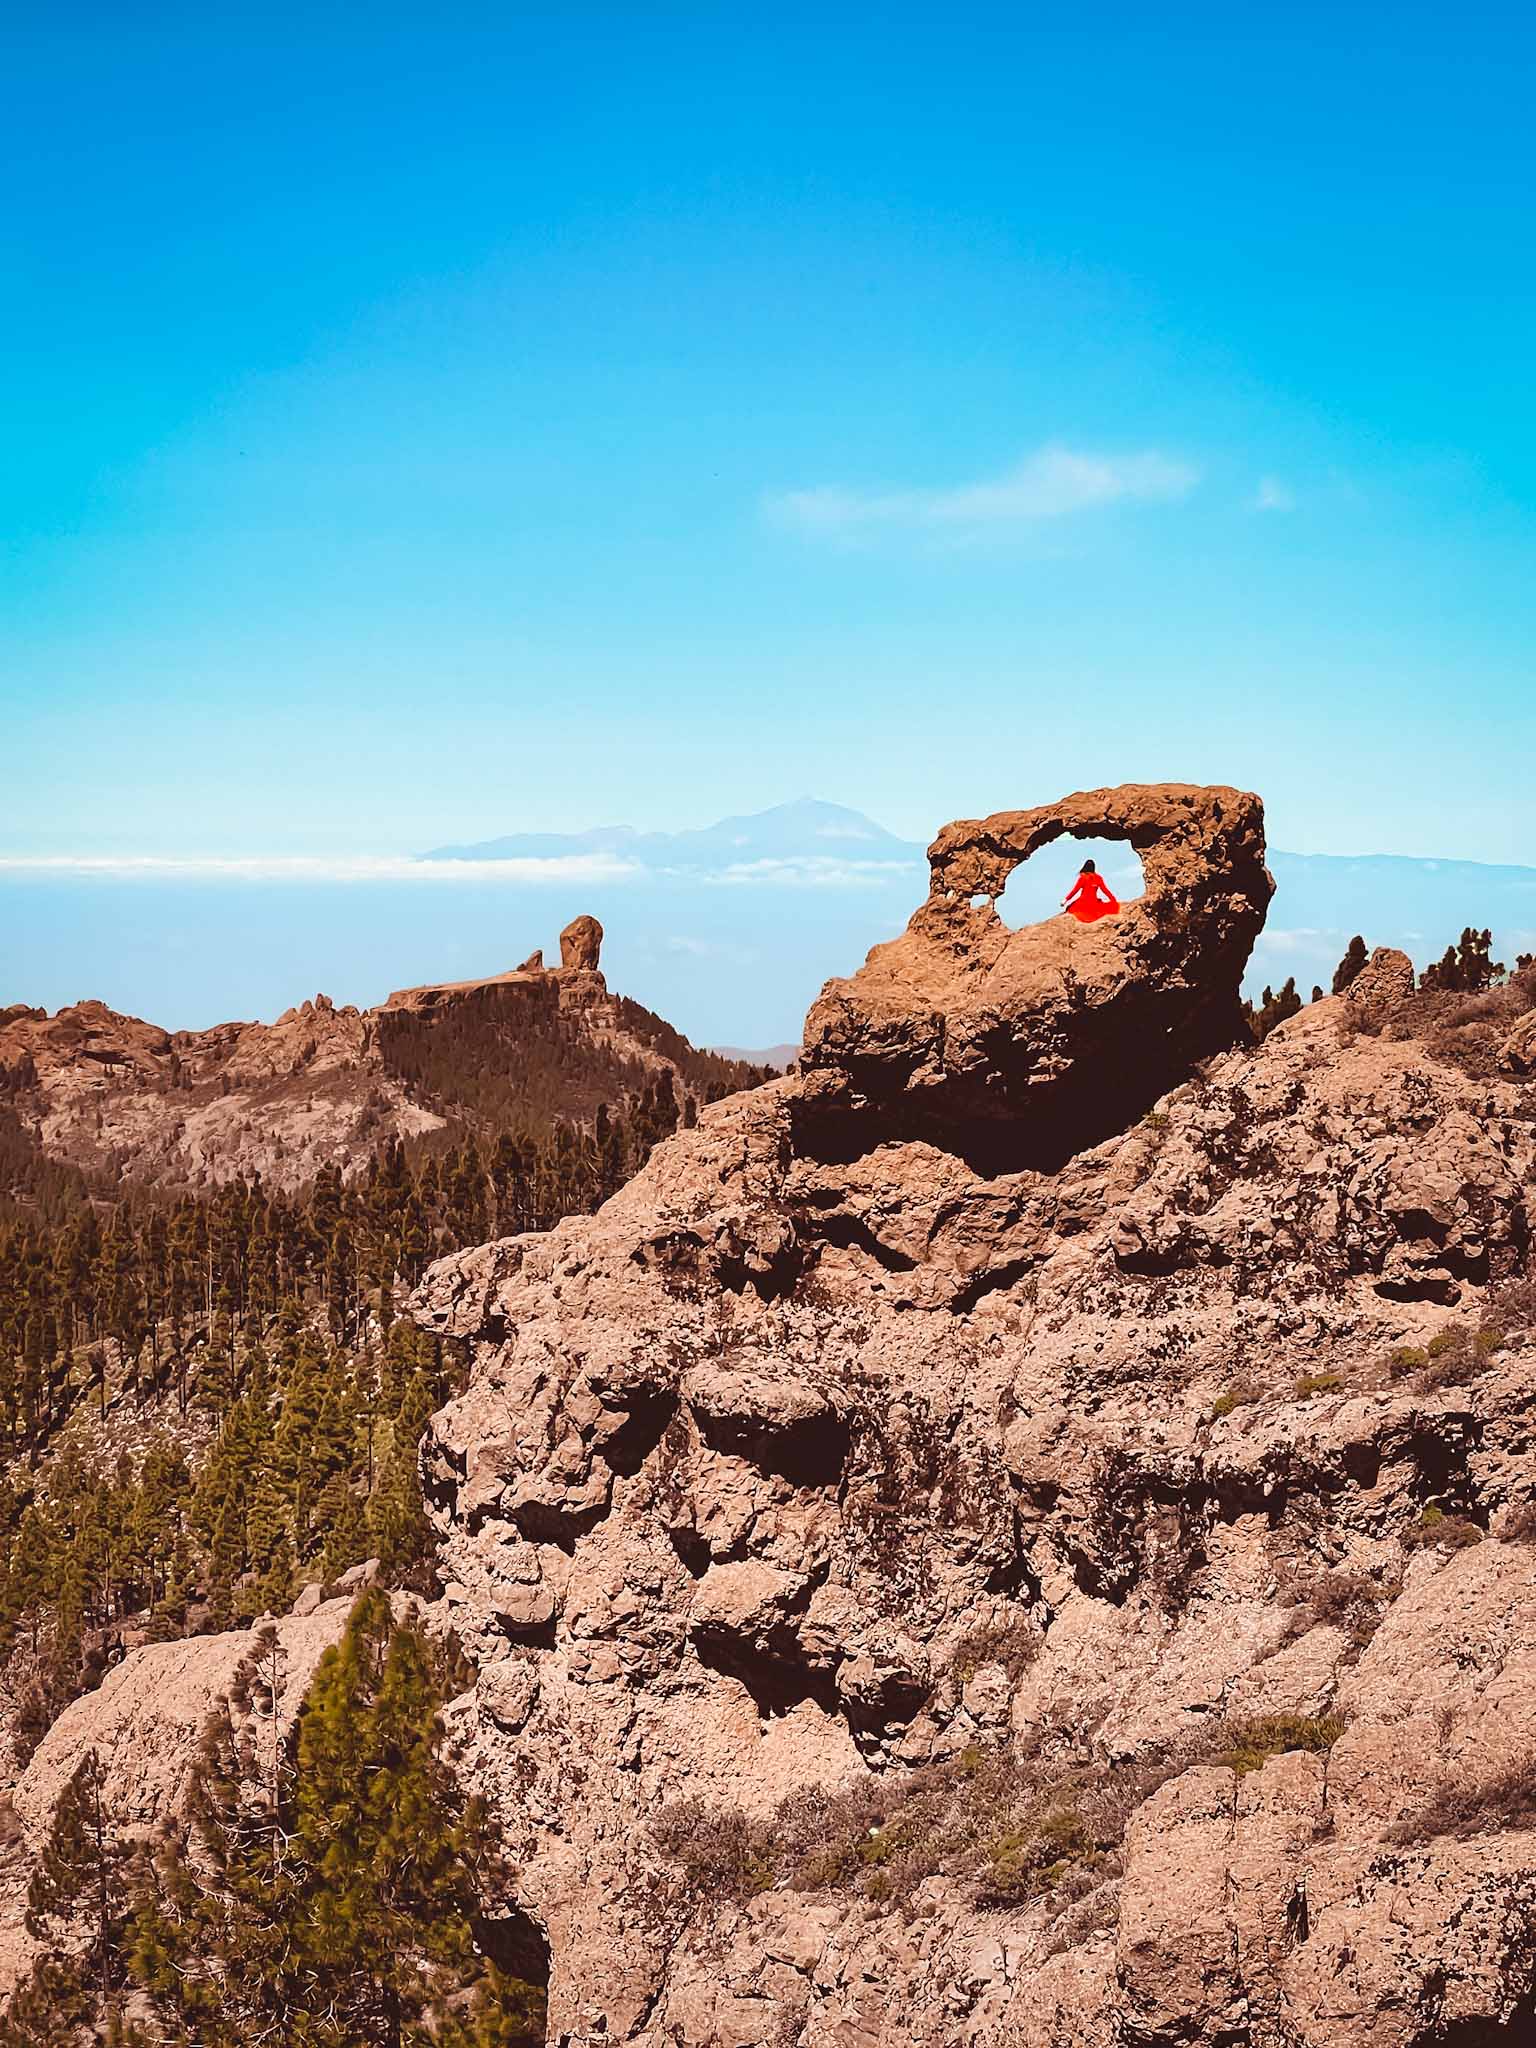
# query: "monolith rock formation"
{"type": "Point", "coordinates": [1032, 1043]}
{"type": "Point", "coordinates": [581, 943]}
{"type": "Point", "coordinates": [326, 1084]}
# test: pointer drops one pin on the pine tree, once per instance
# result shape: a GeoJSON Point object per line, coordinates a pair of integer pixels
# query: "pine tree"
{"type": "Point", "coordinates": [1466, 968]}
{"type": "Point", "coordinates": [1355, 957]}
{"type": "Point", "coordinates": [380, 1817]}
{"type": "Point", "coordinates": [338, 1870]}
{"type": "Point", "coordinates": [78, 1882]}
{"type": "Point", "coordinates": [397, 1519]}
{"type": "Point", "coordinates": [214, 1934]}
{"type": "Point", "coordinates": [49, 2008]}
{"type": "Point", "coordinates": [339, 1514]}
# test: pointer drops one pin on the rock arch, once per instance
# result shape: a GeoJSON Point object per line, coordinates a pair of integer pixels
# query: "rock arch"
{"type": "Point", "coordinates": [1020, 1047]}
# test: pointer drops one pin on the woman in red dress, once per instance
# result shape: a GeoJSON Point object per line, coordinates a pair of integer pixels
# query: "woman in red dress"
{"type": "Point", "coordinates": [1088, 899]}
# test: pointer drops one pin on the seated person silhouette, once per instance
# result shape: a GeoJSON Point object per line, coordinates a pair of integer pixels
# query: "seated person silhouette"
{"type": "Point", "coordinates": [1088, 899]}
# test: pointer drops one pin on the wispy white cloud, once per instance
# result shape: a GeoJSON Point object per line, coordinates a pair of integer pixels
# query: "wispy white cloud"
{"type": "Point", "coordinates": [1050, 483]}
{"type": "Point", "coordinates": [150, 867]}
{"type": "Point", "coordinates": [826, 871]}
{"type": "Point", "coordinates": [1273, 496]}
{"type": "Point", "coordinates": [808, 871]}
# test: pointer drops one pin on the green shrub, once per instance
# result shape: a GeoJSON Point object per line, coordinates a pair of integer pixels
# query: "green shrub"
{"type": "Point", "coordinates": [1436, 1530]}
{"type": "Point", "coordinates": [1317, 1383]}
{"type": "Point", "coordinates": [1241, 1394]}
{"type": "Point", "coordinates": [720, 1853]}
{"type": "Point", "coordinates": [1030, 1860]}
{"type": "Point", "coordinates": [1253, 1743]}
{"type": "Point", "coordinates": [1406, 1360]}
{"type": "Point", "coordinates": [1456, 1355]}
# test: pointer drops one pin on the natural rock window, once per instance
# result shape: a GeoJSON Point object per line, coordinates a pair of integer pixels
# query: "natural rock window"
{"type": "Point", "coordinates": [1035, 889]}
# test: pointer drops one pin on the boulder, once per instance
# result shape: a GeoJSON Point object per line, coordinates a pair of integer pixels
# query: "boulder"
{"type": "Point", "coordinates": [1383, 982]}
{"type": "Point", "coordinates": [581, 943]}
{"type": "Point", "coordinates": [1032, 1044]}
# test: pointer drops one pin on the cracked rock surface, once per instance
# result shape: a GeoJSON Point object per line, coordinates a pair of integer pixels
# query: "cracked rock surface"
{"type": "Point", "coordinates": [792, 1477]}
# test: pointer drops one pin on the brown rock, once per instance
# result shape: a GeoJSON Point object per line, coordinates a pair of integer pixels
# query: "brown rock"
{"type": "Point", "coordinates": [1517, 1054]}
{"type": "Point", "coordinates": [581, 943]}
{"type": "Point", "coordinates": [802, 1467]}
{"type": "Point", "coordinates": [534, 964]}
{"type": "Point", "coordinates": [320, 1087]}
{"type": "Point", "coordinates": [1037, 1042]}
{"type": "Point", "coordinates": [1385, 980]}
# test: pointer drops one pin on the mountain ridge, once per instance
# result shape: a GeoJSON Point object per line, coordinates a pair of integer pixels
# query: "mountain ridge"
{"type": "Point", "coordinates": [324, 1085]}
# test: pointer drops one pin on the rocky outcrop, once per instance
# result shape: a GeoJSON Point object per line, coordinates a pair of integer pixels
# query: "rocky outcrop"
{"type": "Point", "coordinates": [921, 1603]}
{"type": "Point", "coordinates": [581, 943]}
{"type": "Point", "coordinates": [1386, 980]}
{"type": "Point", "coordinates": [1031, 1044]}
{"type": "Point", "coordinates": [145, 1723]}
{"type": "Point", "coordinates": [923, 1600]}
{"type": "Point", "coordinates": [326, 1084]}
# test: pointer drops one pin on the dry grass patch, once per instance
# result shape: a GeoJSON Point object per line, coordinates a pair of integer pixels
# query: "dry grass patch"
{"type": "Point", "coordinates": [1012, 1644]}
{"type": "Point", "coordinates": [1350, 1603]}
{"type": "Point", "coordinates": [1436, 1530]}
{"type": "Point", "coordinates": [1461, 1808]}
{"type": "Point", "coordinates": [1251, 1744]}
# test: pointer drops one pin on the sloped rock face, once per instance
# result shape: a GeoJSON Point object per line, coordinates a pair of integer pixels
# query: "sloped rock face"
{"type": "Point", "coordinates": [145, 1722]}
{"type": "Point", "coordinates": [805, 1474]}
{"type": "Point", "coordinates": [1034, 1043]}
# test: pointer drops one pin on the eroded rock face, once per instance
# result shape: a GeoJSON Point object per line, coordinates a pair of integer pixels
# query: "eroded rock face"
{"type": "Point", "coordinates": [1034, 1043]}
{"type": "Point", "coordinates": [752, 1462]}
{"type": "Point", "coordinates": [145, 1722]}
{"type": "Point", "coordinates": [1385, 980]}
{"type": "Point", "coordinates": [321, 1087]}
{"type": "Point", "coordinates": [581, 943]}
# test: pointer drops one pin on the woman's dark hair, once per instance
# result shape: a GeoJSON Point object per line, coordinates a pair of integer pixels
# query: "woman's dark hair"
{"type": "Point", "coordinates": [1090, 867]}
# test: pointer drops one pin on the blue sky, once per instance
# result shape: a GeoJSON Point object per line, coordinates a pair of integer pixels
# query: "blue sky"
{"type": "Point", "coordinates": [545, 417]}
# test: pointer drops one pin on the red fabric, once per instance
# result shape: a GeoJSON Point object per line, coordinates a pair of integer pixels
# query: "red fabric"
{"type": "Point", "coordinates": [1089, 900]}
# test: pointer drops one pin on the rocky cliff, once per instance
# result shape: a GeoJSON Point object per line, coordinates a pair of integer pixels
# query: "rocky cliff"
{"type": "Point", "coordinates": [921, 1602]}
{"type": "Point", "coordinates": [1051, 1592]}
{"type": "Point", "coordinates": [325, 1085]}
